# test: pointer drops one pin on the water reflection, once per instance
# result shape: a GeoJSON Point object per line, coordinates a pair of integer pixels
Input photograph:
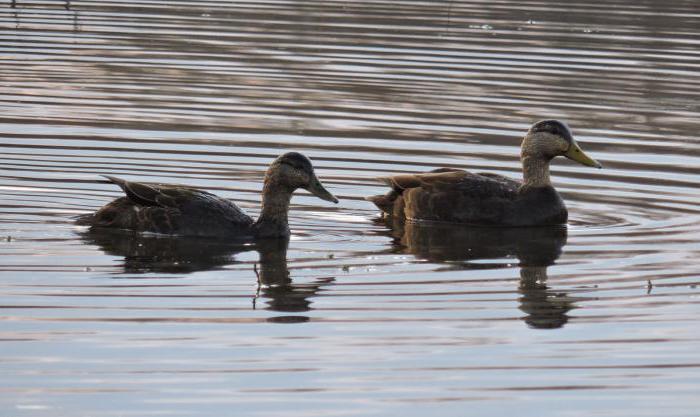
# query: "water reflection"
{"type": "Point", "coordinates": [165, 254]}
{"type": "Point", "coordinates": [276, 285]}
{"type": "Point", "coordinates": [464, 247]}
{"type": "Point", "coordinates": [545, 308]}
{"type": "Point", "coordinates": [66, 4]}
{"type": "Point", "coordinates": [202, 92]}
{"type": "Point", "coordinates": [149, 253]}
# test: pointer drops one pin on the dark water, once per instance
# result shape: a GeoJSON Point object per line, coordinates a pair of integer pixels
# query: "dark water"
{"type": "Point", "coordinates": [353, 317]}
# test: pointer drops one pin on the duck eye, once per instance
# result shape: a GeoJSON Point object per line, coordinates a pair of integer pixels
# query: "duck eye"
{"type": "Point", "coordinates": [553, 129]}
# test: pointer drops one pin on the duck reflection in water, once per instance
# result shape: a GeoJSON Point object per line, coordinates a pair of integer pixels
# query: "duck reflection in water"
{"type": "Point", "coordinates": [457, 245]}
{"type": "Point", "coordinates": [166, 254]}
{"type": "Point", "coordinates": [276, 285]}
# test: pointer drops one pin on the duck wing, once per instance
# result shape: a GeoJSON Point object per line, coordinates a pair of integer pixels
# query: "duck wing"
{"type": "Point", "coordinates": [403, 182]}
{"type": "Point", "coordinates": [161, 195]}
{"type": "Point", "coordinates": [392, 202]}
{"type": "Point", "coordinates": [171, 209]}
{"type": "Point", "coordinates": [453, 196]}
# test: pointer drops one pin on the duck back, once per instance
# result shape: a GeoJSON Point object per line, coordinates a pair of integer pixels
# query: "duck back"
{"type": "Point", "coordinates": [471, 198]}
{"type": "Point", "coordinates": [171, 210]}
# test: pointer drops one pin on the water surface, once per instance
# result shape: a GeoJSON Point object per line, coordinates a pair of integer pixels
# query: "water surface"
{"type": "Point", "coordinates": [352, 316]}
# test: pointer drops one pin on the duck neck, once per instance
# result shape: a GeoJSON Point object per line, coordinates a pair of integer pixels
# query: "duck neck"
{"type": "Point", "coordinates": [273, 220]}
{"type": "Point", "coordinates": [535, 172]}
{"type": "Point", "coordinates": [533, 277]}
{"type": "Point", "coordinates": [273, 262]}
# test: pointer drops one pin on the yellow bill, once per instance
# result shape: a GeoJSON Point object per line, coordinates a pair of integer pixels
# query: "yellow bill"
{"type": "Point", "coordinates": [576, 154]}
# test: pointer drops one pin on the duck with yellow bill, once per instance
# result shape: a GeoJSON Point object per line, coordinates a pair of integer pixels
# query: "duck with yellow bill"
{"type": "Point", "coordinates": [458, 196]}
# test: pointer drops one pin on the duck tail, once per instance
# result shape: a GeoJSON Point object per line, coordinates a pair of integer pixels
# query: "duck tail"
{"type": "Point", "coordinates": [384, 202]}
{"type": "Point", "coordinates": [114, 180]}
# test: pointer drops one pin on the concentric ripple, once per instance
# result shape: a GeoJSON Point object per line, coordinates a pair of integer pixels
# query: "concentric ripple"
{"type": "Point", "coordinates": [356, 316]}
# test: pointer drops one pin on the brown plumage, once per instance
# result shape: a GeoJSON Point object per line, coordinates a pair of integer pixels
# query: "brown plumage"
{"type": "Point", "coordinates": [458, 196]}
{"type": "Point", "coordinates": [186, 211]}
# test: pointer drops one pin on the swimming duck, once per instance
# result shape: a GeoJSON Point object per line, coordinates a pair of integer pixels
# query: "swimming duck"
{"type": "Point", "coordinates": [458, 196]}
{"type": "Point", "coordinates": [186, 211]}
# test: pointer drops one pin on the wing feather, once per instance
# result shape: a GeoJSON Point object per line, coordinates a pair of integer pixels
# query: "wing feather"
{"type": "Point", "coordinates": [161, 195]}
{"type": "Point", "coordinates": [139, 193]}
{"type": "Point", "coordinates": [449, 194]}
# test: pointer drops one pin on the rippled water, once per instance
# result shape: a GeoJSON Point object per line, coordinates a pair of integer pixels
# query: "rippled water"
{"type": "Point", "coordinates": [354, 317]}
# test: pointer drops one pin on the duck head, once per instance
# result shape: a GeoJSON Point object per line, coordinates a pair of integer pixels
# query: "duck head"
{"type": "Point", "coordinates": [547, 139]}
{"type": "Point", "coordinates": [293, 170]}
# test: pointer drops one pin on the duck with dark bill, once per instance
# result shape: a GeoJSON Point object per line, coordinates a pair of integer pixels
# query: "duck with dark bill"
{"type": "Point", "coordinates": [186, 211]}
